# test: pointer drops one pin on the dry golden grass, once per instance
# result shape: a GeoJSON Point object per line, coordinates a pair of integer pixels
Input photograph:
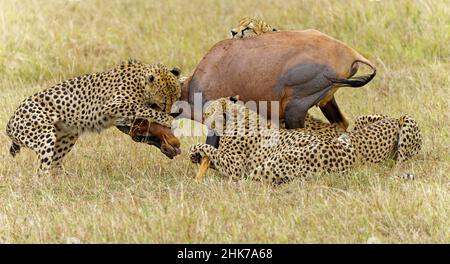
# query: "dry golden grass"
{"type": "Point", "coordinates": [120, 191]}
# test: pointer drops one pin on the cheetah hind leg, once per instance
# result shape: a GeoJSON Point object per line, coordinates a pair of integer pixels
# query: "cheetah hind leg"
{"type": "Point", "coordinates": [45, 154]}
{"type": "Point", "coordinates": [63, 146]}
{"type": "Point", "coordinates": [409, 139]}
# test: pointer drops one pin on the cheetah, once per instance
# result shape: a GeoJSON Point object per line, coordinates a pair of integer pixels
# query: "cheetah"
{"type": "Point", "coordinates": [255, 25]}
{"type": "Point", "coordinates": [50, 121]}
{"type": "Point", "coordinates": [377, 138]}
{"type": "Point", "coordinates": [250, 149]}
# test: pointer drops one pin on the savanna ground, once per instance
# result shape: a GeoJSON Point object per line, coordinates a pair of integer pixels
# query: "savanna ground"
{"type": "Point", "coordinates": [121, 191]}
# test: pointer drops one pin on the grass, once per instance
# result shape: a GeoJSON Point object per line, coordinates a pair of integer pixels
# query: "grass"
{"type": "Point", "coordinates": [121, 191]}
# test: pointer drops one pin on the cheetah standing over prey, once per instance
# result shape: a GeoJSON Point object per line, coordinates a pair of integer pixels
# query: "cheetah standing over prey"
{"type": "Point", "coordinates": [248, 148]}
{"type": "Point", "coordinates": [49, 122]}
{"type": "Point", "coordinates": [255, 25]}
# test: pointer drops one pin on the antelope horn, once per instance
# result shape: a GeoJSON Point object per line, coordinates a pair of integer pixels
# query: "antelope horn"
{"type": "Point", "coordinates": [204, 166]}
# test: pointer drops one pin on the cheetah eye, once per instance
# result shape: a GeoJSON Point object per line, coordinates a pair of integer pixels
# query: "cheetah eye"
{"type": "Point", "coordinates": [154, 106]}
{"type": "Point", "coordinates": [151, 78]}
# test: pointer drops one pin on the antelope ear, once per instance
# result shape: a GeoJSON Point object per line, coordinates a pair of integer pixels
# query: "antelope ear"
{"type": "Point", "coordinates": [176, 71]}
{"type": "Point", "coordinates": [234, 99]}
{"type": "Point", "coordinates": [151, 78]}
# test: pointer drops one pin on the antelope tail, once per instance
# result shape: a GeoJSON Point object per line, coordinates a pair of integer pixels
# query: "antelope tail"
{"type": "Point", "coordinates": [355, 81]}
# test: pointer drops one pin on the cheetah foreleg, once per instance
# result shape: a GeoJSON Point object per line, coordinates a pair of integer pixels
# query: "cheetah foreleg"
{"type": "Point", "coordinates": [225, 163]}
{"type": "Point", "coordinates": [125, 113]}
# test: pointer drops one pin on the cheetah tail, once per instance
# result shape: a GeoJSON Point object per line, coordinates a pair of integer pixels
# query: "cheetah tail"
{"type": "Point", "coordinates": [14, 149]}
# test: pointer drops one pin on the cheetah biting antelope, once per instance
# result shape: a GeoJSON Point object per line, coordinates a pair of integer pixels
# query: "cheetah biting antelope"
{"type": "Point", "coordinates": [50, 121]}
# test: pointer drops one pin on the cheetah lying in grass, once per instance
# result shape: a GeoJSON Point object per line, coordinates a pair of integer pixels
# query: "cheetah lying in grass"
{"type": "Point", "coordinates": [50, 122]}
{"type": "Point", "coordinates": [249, 148]}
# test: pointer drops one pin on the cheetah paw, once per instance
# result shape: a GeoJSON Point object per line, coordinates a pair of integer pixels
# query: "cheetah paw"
{"type": "Point", "coordinates": [407, 176]}
{"type": "Point", "coordinates": [196, 154]}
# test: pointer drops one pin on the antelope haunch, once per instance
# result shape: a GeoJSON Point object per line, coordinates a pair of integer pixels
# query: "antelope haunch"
{"type": "Point", "coordinates": [300, 69]}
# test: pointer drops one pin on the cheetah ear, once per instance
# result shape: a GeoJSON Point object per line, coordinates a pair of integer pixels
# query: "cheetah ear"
{"type": "Point", "coordinates": [151, 78]}
{"type": "Point", "coordinates": [176, 71]}
{"type": "Point", "coordinates": [234, 99]}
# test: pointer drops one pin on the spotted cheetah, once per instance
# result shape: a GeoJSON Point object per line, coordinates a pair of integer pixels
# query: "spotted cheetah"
{"type": "Point", "coordinates": [250, 149]}
{"type": "Point", "coordinates": [255, 25]}
{"type": "Point", "coordinates": [379, 137]}
{"type": "Point", "coordinates": [50, 121]}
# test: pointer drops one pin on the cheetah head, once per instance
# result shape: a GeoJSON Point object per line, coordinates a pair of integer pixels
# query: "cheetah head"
{"type": "Point", "coordinates": [163, 86]}
{"type": "Point", "coordinates": [247, 25]}
{"type": "Point", "coordinates": [215, 112]}
{"type": "Point", "coordinates": [244, 24]}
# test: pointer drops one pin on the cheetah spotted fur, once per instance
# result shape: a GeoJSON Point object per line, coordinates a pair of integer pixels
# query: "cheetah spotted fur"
{"type": "Point", "coordinates": [50, 121]}
{"type": "Point", "coordinates": [253, 150]}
